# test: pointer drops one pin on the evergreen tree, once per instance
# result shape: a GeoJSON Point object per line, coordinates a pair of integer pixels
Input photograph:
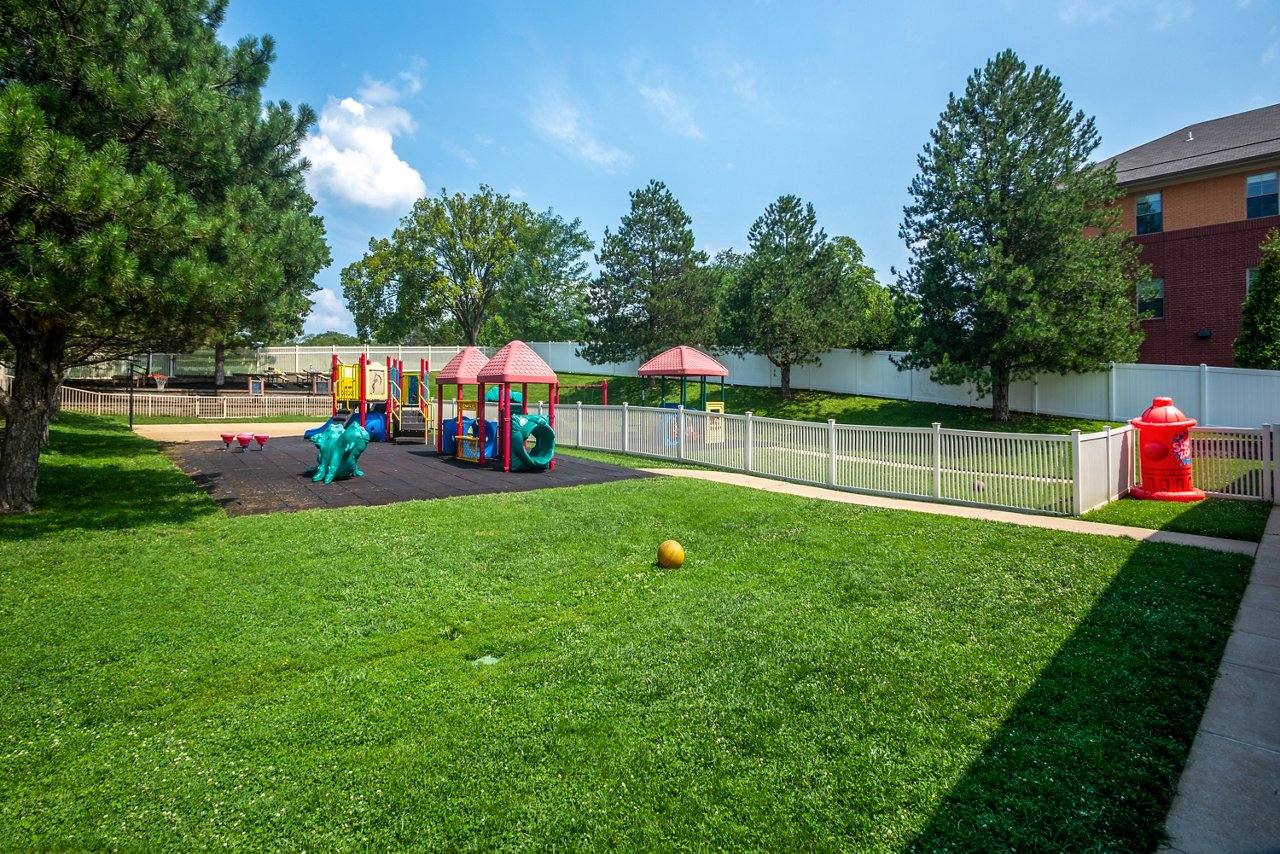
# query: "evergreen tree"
{"type": "Point", "coordinates": [144, 188]}
{"type": "Point", "coordinates": [1259, 343]}
{"type": "Point", "coordinates": [1018, 261]}
{"type": "Point", "coordinates": [653, 290]}
{"type": "Point", "coordinates": [796, 296]}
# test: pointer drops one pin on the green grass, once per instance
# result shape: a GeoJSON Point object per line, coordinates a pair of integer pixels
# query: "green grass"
{"type": "Point", "coordinates": [1213, 517]}
{"type": "Point", "coordinates": [817, 675]}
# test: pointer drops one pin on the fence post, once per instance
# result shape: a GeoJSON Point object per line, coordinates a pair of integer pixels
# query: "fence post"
{"type": "Point", "coordinates": [626, 430]}
{"type": "Point", "coordinates": [831, 452]}
{"type": "Point", "coordinates": [749, 433]}
{"type": "Point", "coordinates": [1077, 476]}
{"type": "Point", "coordinates": [680, 441]}
{"type": "Point", "coordinates": [1204, 396]}
{"type": "Point", "coordinates": [1112, 491]}
{"type": "Point", "coordinates": [937, 459]}
{"type": "Point", "coordinates": [1269, 448]}
{"type": "Point", "coordinates": [578, 431]}
{"type": "Point", "coordinates": [1035, 395]}
{"type": "Point", "coordinates": [1111, 393]}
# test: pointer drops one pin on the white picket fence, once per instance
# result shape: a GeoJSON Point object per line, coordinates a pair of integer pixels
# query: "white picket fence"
{"type": "Point", "coordinates": [1054, 474]}
{"type": "Point", "coordinates": [1036, 473]}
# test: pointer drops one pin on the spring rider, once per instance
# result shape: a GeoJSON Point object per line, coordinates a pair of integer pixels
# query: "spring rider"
{"type": "Point", "coordinates": [339, 449]}
{"type": "Point", "coordinates": [1164, 437]}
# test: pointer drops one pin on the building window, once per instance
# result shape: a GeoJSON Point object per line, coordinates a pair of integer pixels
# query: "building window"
{"type": "Point", "coordinates": [1260, 196]}
{"type": "Point", "coordinates": [1150, 219]}
{"type": "Point", "coordinates": [1151, 299]}
{"type": "Point", "coordinates": [1250, 279]}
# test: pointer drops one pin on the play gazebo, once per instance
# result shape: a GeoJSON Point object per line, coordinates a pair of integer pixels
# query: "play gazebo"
{"type": "Point", "coordinates": [684, 362]}
{"type": "Point", "coordinates": [517, 363]}
{"type": "Point", "coordinates": [459, 371]}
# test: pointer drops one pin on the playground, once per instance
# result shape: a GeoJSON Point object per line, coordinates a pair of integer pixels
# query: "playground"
{"type": "Point", "coordinates": [276, 478]}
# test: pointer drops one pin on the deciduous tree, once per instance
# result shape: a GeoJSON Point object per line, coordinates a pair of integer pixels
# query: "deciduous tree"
{"type": "Point", "coordinates": [1017, 258]}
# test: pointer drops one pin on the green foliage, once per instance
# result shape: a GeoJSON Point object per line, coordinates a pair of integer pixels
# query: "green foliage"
{"type": "Point", "coordinates": [1259, 343]}
{"type": "Point", "coordinates": [1018, 262]}
{"type": "Point", "coordinates": [149, 199]}
{"type": "Point", "coordinates": [797, 294]}
{"type": "Point", "coordinates": [544, 296]}
{"type": "Point", "coordinates": [328, 338]}
{"type": "Point", "coordinates": [653, 290]}
{"type": "Point", "coordinates": [1213, 517]}
{"type": "Point", "coordinates": [816, 677]}
{"type": "Point", "coordinates": [472, 269]}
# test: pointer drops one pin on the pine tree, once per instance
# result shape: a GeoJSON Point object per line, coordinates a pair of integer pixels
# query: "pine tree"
{"type": "Point", "coordinates": [1018, 262]}
{"type": "Point", "coordinates": [144, 188]}
{"type": "Point", "coordinates": [1259, 343]}
{"type": "Point", "coordinates": [653, 290]}
{"type": "Point", "coordinates": [796, 296]}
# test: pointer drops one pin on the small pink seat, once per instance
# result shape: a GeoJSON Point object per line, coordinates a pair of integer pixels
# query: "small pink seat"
{"type": "Point", "coordinates": [261, 439]}
{"type": "Point", "coordinates": [227, 439]}
{"type": "Point", "coordinates": [244, 439]}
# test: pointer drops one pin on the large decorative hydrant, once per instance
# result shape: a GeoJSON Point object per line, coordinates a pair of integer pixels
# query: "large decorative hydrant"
{"type": "Point", "coordinates": [1164, 439]}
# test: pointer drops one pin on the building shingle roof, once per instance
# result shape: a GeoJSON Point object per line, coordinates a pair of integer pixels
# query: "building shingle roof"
{"type": "Point", "coordinates": [1221, 142]}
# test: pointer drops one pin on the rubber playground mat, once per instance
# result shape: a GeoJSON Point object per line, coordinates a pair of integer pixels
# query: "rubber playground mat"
{"type": "Point", "coordinates": [275, 479]}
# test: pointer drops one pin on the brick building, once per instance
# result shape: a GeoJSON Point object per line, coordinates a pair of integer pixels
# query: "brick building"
{"type": "Point", "coordinates": [1200, 201]}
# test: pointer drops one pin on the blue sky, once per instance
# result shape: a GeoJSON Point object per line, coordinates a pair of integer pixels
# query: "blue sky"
{"type": "Point", "coordinates": [573, 105]}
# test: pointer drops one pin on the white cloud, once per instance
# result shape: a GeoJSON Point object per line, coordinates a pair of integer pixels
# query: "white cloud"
{"type": "Point", "coordinates": [674, 109]}
{"type": "Point", "coordinates": [353, 157]}
{"type": "Point", "coordinates": [516, 192]}
{"type": "Point", "coordinates": [555, 119]}
{"type": "Point", "coordinates": [1162, 13]}
{"type": "Point", "coordinates": [329, 313]}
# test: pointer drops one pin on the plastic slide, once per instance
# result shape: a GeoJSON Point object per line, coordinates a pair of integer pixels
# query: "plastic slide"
{"type": "Point", "coordinates": [538, 457]}
{"type": "Point", "coordinates": [342, 419]}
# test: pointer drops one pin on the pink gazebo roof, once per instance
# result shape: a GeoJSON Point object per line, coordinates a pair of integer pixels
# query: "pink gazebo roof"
{"type": "Point", "coordinates": [462, 368]}
{"type": "Point", "coordinates": [683, 361]}
{"type": "Point", "coordinates": [517, 363]}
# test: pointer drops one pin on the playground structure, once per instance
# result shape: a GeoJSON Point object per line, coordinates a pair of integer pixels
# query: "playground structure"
{"type": "Point", "coordinates": [383, 396]}
{"type": "Point", "coordinates": [517, 363]}
{"type": "Point", "coordinates": [603, 385]}
{"type": "Point", "coordinates": [686, 362]}
{"type": "Point", "coordinates": [480, 440]}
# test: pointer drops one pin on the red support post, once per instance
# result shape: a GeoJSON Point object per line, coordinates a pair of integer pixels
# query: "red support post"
{"type": "Point", "coordinates": [333, 384]}
{"type": "Point", "coordinates": [479, 422]}
{"type": "Point", "coordinates": [604, 392]}
{"type": "Point", "coordinates": [504, 436]}
{"type": "Point", "coordinates": [364, 404]}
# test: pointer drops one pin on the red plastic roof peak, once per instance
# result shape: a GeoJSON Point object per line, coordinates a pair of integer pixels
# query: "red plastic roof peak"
{"type": "Point", "coordinates": [462, 368]}
{"type": "Point", "coordinates": [517, 363]}
{"type": "Point", "coordinates": [683, 361]}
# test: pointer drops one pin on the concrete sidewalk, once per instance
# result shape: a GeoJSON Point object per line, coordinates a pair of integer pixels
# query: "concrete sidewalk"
{"type": "Point", "coordinates": [1056, 523]}
{"type": "Point", "coordinates": [1228, 797]}
{"type": "Point", "coordinates": [1229, 794]}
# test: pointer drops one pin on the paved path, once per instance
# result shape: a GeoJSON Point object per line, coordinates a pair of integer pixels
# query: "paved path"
{"type": "Point", "coordinates": [1228, 797]}
{"type": "Point", "coordinates": [209, 430]}
{"type": "Point", "coordinates": [1056, 523]}
{"type": "Point", "coordinates": [1229, 794]}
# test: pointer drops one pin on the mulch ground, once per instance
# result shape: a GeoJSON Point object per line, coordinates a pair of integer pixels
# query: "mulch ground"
{"type": "Point", "coordinates": [276, 479]}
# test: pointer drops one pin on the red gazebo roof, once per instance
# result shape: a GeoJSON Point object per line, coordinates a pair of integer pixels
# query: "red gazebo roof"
{"type": "Point", "coordinates": [462, 368]}
{"type": "Point", "coordinates": [517, 363]}
{"type": "Point", "coordinates": [683, 361]}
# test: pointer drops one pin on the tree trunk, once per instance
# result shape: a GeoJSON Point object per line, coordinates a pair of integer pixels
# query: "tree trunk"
{"type": "Point", "coordinates": [784, 370]}
{"type": "Point", "coordinates": [999, 394]}
{"type": "Point", "coordinates": [219, 364]}
{"type": "Point", "coordinates": [37, 376]}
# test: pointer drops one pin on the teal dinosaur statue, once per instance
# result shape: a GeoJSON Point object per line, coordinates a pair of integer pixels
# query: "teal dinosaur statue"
{"type": "Point", "coordinates": [339, 450]}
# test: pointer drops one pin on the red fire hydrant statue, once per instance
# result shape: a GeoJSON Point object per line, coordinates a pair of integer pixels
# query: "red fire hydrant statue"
{"type": "Point", "coordinates": [1164, 438]}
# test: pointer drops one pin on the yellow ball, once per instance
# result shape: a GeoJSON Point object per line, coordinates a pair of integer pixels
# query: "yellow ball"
{"type": "Point", "coordinates": [670, 555]}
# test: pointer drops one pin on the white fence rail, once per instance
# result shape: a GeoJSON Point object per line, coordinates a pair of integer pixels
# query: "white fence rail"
{"type": "Point", "coordinates": [195, 406]}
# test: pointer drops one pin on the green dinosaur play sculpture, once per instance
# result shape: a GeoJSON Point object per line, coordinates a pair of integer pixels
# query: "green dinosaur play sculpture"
{"type": "Point", "coordinates": [339, 449]}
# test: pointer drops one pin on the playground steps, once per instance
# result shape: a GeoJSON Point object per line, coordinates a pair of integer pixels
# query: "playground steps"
{"type": "Point", "coordinates": [413, 428]}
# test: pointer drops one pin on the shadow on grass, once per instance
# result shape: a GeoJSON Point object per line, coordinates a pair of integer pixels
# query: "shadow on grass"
{"type": "Point", "coordinates": [1089, 758]}
{"type": "Point", "coordinates": [95, 475]}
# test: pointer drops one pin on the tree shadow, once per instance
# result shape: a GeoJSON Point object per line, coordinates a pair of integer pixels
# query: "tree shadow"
{"type": "Point", "coordinates": [95, 475]}
{"type": "Point", "coordinates": [1089, 757]}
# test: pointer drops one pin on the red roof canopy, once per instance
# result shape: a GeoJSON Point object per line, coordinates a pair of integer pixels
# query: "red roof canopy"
{"type": "Point", "coordinates": [517, 363]}
{"type": "Point", "coordinates": [683, 361]}
{"type": "Point", "coordinates": [462, 368]}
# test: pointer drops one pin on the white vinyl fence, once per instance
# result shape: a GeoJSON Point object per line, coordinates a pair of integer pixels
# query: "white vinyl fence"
{"type": "Point", "coordinates": [1219, 397]}
{"type": "Point", "coordinates": [195, 406]}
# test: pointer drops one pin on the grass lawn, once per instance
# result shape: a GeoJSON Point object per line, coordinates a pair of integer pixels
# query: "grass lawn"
{"type": "Point", "coordinates": [817, 675]}
{"type": "Point", "coordinates": [1213, 517]}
